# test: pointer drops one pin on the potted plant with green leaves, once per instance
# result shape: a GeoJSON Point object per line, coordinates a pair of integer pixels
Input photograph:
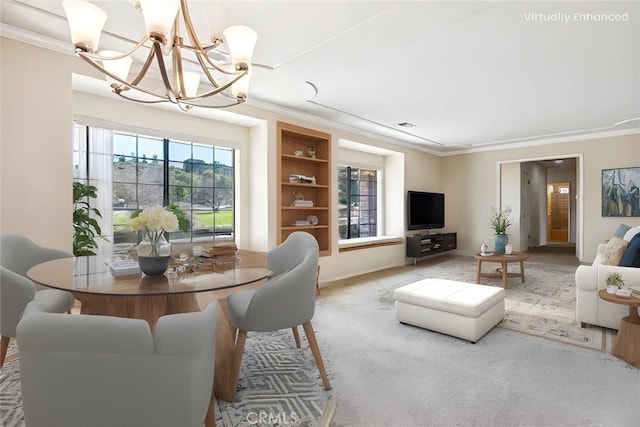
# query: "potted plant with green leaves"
{"type": "Point", "coordinates": [85, 225]}
{"type": "Point", "coordinates": [614, 282]}
{"type": "Point", "coordinates": [500, 223]}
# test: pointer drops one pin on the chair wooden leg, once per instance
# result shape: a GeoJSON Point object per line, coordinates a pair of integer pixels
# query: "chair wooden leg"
{"type": "Point", "coordinates": [237, 360]}
{"type": "Point", "coordinates": [318, 281]}
{"type": "Point", "coordinates": [313, 344]}
{"type": "Point", "coordinates": [296, 336]}
{"type": "Point", "coordinates": [210, 419]}
{"type": "Point", "coordinates": [4, 345]}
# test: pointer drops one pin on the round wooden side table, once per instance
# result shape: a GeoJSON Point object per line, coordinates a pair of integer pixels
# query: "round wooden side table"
{"type": "Point", "coordinates": [626, 345]}
{"type": "Point", "coordinates": [501, 271]}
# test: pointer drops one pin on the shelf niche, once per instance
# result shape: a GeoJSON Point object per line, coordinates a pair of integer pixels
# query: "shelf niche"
{"type": "Point", "coordinates": [292, 139]}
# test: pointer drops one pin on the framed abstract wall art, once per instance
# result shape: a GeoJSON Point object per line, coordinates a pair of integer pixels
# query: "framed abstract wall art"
{"type": "Point", "coordinates": [620, 192]}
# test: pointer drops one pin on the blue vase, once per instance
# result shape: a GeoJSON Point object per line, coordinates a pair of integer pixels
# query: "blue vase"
{"type": "Point", "coordinates": [501, 241]}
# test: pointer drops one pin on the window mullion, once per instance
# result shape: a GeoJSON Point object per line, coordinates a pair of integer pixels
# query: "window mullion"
{"type": "Point", "coordinates": [348, 202]}
{"type": "Point", "coordinates": [165, 170]}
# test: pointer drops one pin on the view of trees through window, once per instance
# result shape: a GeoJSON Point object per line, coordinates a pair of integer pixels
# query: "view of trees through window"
{"type": "Point", "coordinates": [149, 171]}
{"type": "Point", "coordinates": [357, 202]}
{"type": "Point", "coordinates": [197, 178]}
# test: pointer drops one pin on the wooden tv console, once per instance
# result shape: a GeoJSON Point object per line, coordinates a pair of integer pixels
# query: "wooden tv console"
{"type": "Point", "coordinates": [420, 245]}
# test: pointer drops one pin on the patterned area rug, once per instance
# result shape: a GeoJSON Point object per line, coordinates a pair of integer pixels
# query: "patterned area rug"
{"type": "Point", "coordinates": [544, 306]}
{"type": "Point", "coordinates": [10, 396]}
{"type": "Point", "coordinates": [279, 385]}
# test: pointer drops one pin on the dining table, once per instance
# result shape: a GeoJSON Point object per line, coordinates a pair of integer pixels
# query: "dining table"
{"type": "Point", "coordinates": [101, 292]}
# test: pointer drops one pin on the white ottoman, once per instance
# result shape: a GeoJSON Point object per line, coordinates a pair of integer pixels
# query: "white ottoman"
{"type": "Point", "coordinates": [463, 310]}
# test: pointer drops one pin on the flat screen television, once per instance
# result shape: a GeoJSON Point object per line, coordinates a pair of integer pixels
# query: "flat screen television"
{"type": "Point", "coordinates": [425, 210]}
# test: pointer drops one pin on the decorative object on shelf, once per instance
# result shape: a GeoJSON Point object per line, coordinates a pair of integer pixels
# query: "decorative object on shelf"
{"type": "Point", "coordinates": [301, 179]}
{"type": "Point", "coordinates": [614, 282]}
{"type": "Point", "coordinates": [313, 220]}
{"type": "Point", "coordinates": [298, 153]}
{"type": "Point", "coordinates": [484, 248]}
{"type": "Point", "coordinates": [500, 223]}
{"type": "Point", "coordinates": [508, 249]}
{"type": "Point", "coordinates": [163, 22]}
{"type": "Point", "coordinates": [85, 226]}
{"type": "Point", "coordinates": [624, 293]}
{"type": "Point", "coordinates": [154, 251]}
{"type": "Point", "coordinates": [300, 202]}
{"type": "Point", "coordinates": [311, 151]}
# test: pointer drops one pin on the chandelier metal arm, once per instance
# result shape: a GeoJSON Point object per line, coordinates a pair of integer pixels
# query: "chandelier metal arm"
{"type": "Point", "coordinates": [126, 86]}
{"type": "Point", "coordinates": [123, 93]}
{"type": "Point", "coordinates": [234, 101]}
{"type": "Point", "coordinates": [97, 57]}
{"type": "Point", "coordinates": [163, 72]}
{"type": "Point", "coordinates": [191, 32]}
{"type": "Point", "coordinates": [145, 67]}
{"type": "Point", "coordinates": [177, 79]}
{"type": "Point", "coordinates": [218, 89]}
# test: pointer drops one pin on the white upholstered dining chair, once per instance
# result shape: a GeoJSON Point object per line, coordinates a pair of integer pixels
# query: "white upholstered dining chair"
{"type": "Point", "coordinates": [99, 371]}
{"type": "Point", "coordinates": [285, 301]}
{"type": "Point", "coordinates": [17, 255]}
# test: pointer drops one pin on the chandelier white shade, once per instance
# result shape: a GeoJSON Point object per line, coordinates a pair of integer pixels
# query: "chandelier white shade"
{"type": "Point", "coordinates": [182, 61]}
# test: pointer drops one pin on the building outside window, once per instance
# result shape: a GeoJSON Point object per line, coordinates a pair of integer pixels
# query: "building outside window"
{"type": "Point", "coordinates": [357, 202]}
{"type": "Point", "coordinates": [150, 171]}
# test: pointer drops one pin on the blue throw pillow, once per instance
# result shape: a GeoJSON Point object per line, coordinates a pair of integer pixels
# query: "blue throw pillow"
{"type": "Point", "coordinates": [622, 229]}
{"type": "Point", "coordinates": [631, 257]}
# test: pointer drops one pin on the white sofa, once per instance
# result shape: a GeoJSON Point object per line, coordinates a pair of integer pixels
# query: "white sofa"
{"type": "Point", "coordinates": [590, 308]}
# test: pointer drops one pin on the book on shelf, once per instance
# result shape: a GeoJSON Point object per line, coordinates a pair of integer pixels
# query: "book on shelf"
{"type": "Point", "coordinates": [300, 223]}
{"type": "Point", "coordinates": [303, 203]}
{"type": "Point", "coordinates": [301, 179]}
{"type": "Point", "coordinates": [220, 249]}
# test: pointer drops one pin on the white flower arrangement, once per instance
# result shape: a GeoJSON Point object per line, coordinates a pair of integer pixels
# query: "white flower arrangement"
{"type": "Point", "coordinates": [154, 219]}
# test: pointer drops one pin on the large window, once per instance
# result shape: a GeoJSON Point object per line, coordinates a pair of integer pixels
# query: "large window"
{"type": "Point", "coordinates": [149, 171]}
{"type": "Point", "coordinates": [358, 202]}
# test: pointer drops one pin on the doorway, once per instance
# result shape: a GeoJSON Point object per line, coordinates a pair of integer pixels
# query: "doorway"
{"type": "Point", "coordinates": [537, 222]}
{"type": "Point", "coordinates": [558, 212]}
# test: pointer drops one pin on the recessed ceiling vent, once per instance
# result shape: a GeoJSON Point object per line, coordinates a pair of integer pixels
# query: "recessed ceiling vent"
{"type": "Point", "coordinates": [406, 125]}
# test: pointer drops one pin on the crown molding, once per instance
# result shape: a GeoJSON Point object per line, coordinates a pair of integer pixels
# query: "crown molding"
{"type": "Point", "coordinates": [35, 39]}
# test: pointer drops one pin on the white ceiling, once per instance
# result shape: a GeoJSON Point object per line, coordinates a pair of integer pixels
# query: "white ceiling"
{"type": "Point", "coordinates": [470, 75]}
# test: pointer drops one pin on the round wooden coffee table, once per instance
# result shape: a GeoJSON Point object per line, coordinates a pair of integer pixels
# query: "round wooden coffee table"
{"type": "Point", "coordinates": [626, 345]}
{"type": "Point", "coordinates": [500, 271]}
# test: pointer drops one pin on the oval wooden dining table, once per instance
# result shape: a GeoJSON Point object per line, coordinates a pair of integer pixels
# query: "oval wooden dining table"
{"type": "Point", "coordinates": [91, 282]}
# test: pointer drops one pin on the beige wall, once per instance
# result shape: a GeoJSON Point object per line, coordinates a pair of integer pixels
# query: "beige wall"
{"type": "Point", "coordinates": [35, 144]}
{"type": "Point", "coordinates": [36, 156]}
{"type": "Point", "coordinates": [36, 162]}
{"type": "Point", "coordinates": [470, 183]}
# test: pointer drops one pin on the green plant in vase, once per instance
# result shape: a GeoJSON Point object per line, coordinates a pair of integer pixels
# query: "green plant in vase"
{"type": "Point", "coordinates": [614, 282]}
{"type": "Point", "coordinates": [500, 223]}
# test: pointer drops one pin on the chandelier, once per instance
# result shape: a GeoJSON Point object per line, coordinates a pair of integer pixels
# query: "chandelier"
{"type": "Point", "coordinates": [182, 60]}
